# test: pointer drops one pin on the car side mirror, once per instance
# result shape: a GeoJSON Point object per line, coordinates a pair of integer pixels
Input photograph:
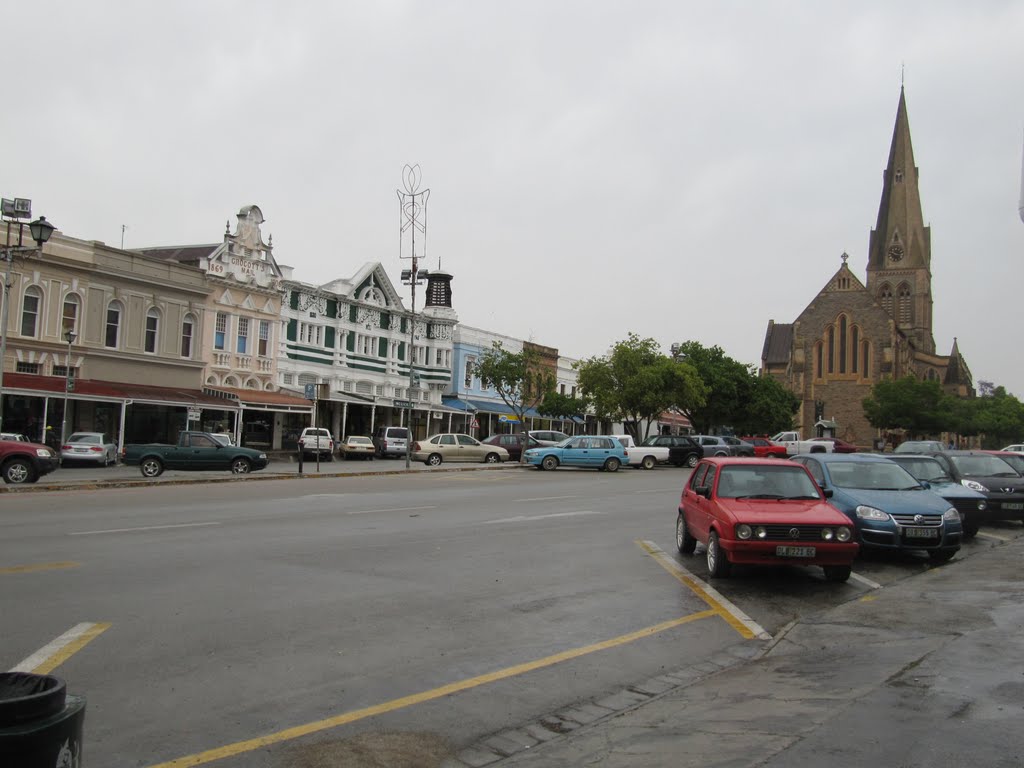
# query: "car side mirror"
{"type": "Point", "coordinates": [703, 490]}
{"type": "Point", "coordinates": [925, 484]}
{"type": "Point", "coordinates": [828, 492]}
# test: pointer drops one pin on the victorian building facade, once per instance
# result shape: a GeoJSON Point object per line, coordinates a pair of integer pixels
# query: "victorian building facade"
{"type": "Point", "coordinates": [854, 334]}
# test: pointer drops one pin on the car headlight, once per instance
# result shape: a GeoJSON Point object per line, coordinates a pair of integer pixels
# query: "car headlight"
{"type": "Point", "coordinates": [951, 515]}
{"type": "Point", "coordinates": [827, 534]}
{"type": "Point", "coordinates": [974, 485]}
{"type": "Point", "coordinates": [982, 505]}
{"type": "Point", "coordinates": [43, 453]}
{"type": "Point", "coordinates": [263, 455]}
{"type": "Point", "coordinates": [743, 531]}
{"type": "Point", "coordinates": [865, 512]}
{"type": "Point", "coordinates": [761, 532]}
{"type": "Point", "coordinates": [843, 533]}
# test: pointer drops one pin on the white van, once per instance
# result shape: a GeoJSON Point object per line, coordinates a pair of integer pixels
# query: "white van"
{"type": "Point", "coordinates": [391, 441]}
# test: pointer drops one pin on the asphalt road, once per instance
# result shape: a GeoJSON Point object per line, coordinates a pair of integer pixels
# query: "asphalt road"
{"type": "Point", "coordinates": [295, 619]}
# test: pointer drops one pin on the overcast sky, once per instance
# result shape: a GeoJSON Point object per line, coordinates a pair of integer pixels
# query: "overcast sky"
{"type": "Point", "coordinates": [679, 170]}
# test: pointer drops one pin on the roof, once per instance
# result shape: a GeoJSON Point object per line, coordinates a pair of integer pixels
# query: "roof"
{"type": "Point", "coordinates": [778, 343]}
{"type": "Point", "coordinates": [258, 398]}
{"type": "Point", "coordinates": [184, 254]}
{"type": "Point", "coordinates": [91, 389]}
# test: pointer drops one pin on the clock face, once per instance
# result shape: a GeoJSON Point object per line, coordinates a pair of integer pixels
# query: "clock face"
{"type": "Point", "coordinates": [895, 252]}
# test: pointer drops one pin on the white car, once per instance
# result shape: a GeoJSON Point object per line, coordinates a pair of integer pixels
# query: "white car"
{"type": "Point", "coordinates": [93, 447]}
{"type": "Point", "coordinates": [644, 456]}
{"type": "Point", "coordinates": [15, 436]}
{"type": "Point", "coordinates": [1015, 448]}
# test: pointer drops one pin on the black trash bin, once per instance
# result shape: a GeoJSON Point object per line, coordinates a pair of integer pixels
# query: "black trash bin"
{"type": "Point", "coordinates": [40, 724]}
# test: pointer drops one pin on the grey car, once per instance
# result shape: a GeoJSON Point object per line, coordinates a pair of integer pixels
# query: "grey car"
{"type": "Point", "coordinates": [741, 447]}
{"type": "Point", "coordinates": [715, 446]}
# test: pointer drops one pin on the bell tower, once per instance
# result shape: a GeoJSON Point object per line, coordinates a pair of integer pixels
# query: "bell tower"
{"type": "Point", "coordinates": [900, 249]}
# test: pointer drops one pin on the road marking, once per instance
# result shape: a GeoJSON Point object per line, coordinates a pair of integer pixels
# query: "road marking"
{"type": "Point", "coordinates": [55, 653]}
{"type": "Point", "coordinates": [994, 536]}
{"type": "Point", "coordinates": [39, 567]}
{"type": "Point", "coordinates": [549, 498]}
{"type": "Point", "coordinates": [393, 509]}
{"type": "Point", "coordinates": [865, 580]}
{"type": "Point", "coordinates": [145, 528]}
{"type": "Point", "coordinates": [736, 618]}
{"type": "Point", "coordinates": [298, 731]}
{"type": "Point", "coordinates": [528, 518]}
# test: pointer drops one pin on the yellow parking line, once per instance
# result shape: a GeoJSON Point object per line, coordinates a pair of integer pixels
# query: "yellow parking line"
{"type": "Point", "coordinates": [240, 747]}
{"type": "Point", "coordinates": [52, 655]}
{"type": "Point", "coordinates": [733, 616]}
{"type": "Point", "coordinates": [39, 567]}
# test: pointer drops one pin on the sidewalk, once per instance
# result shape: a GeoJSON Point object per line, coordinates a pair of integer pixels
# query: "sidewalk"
{"type": "Point", "coordinates": [120, 476]}
{"type": "Point", "coordinates": [927, 672]}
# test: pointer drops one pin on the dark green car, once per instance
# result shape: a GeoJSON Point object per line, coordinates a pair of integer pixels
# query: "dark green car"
{"type": "Point", "coordinates": [194, 451]}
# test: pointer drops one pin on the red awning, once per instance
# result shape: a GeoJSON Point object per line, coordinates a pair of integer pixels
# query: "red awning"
{"type": "Point", "coordinates": [258, 399]}
{"type": "Point", "coordinates": [91, 389]}
{"type": "Point", "coordinates": [674, 420]}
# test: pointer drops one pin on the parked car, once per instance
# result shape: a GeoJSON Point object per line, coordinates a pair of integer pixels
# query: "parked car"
{"type": "Point", "coordinates": [1015, 448]}
{"type": "Point", "coordinates": [1014, 459]}
{"type": "Point", "coordinates": [193, 451]}
{"type": "Point", "coordinates": [918, 446]}
{"type": "Point", "coordinates": [838, 446]}
{"type": "Point", "coordinates": [712, 445]}
{"type": "Point", "coordinates": [740, 447]}
{"type": "Point", "coordinates": [93, 447]}
{"type": "Point", "coordinates": [512, 442]}
{"type": "Point", "coordinates": [391, 441]}
{"type": "Point", "coordinates": [602, 452]}
{"type": "Point", "coordinates": [15, 436]}
{"type": "Point", "coordinates": [25, 462]}
{"type": "Point", "coordinates": [645, 456]}
{"type": "Point", "coordinates": [931, 474]}
{"type": "Point", "coordinates": [1002, 485]}
{"type": "Point", "coordinates": [547, 436]}
{"type": "Point", "coordinates": [454, 446]}
{"type": "Point", "coordinates": [889, 508]}
{"type": "Point", "coordinates": [765, 448]}
{"type": "Point", "coordinates": [317, 442]}
{"type": "Point", "coordinates": [357, 447]}
{"type": "Point", "coordinates": [683, 450]}
{"type": "Point", "coordinates": [762, 512]}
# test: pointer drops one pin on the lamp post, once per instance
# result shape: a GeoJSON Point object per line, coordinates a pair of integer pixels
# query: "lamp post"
{"type": "Point", "coordinates": [40, 229]}
{"type": "Point", "coordinates": [69, 336]}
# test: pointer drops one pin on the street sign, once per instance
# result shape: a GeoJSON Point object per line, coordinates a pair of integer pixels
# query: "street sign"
{"type": "Point", "coordinates": [508, 418]}
{"type": "Point", "coordinates": [474, 424]}
{"type": "Point", "coordinates": [403, 404]}
{"type": "Point", "coordinates": [195, 414]}
{"type": "Point", "coordinates": [311, 391]}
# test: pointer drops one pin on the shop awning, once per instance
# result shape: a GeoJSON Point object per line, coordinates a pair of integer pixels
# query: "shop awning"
{"type": "Point", "coordinates": [489, 406]}
{"type": "Point", "coordinates": [670, 419]}
{"type": "Point", "coordinates": [110, 391]}
{"type": "Point", "coordinates": [259, 400]}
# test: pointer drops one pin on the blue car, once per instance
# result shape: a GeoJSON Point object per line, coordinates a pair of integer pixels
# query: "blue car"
{"type": "Point", "coordinates": [602, 452]}
{"type": "Point", "coordinates": [932, 475]}
{"type": "Point", "coordinates": [889, 508]}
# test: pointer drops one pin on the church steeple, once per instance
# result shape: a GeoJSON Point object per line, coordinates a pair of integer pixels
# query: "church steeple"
{"type": "Point", "coordinates": [900, 251]}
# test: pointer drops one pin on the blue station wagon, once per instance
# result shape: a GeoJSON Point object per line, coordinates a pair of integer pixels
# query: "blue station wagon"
{"type": "Point", "coordinates": [602, 452]}
{"type": "Point", "coordinates": [889, 508]}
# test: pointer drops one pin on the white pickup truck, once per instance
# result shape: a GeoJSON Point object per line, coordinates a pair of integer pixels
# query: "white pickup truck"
{"type": "Point", "coordinates": [317, 441]}
{"type": "Point", "coordinates": [643, 456]}
{"type": "Point", "coordinates": [795, 444]}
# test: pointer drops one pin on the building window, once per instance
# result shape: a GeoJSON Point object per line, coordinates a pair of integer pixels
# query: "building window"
{"type": "Point", "coordinates": [152, 329]}
{"type": "Point", "coordinates": [854, 348]}
{"type": "Point", "coordinates": [842, 343]}
{"type": "Point", "coordinates": [904, 305]}
{"type": "Point", "coordinates": [62, 371]}
{"type": "Point", "coordinates": [865, 351]}
{"type": "Point", "coordinates": [831, 349]}
{"type": "Point", "coordinates": [242, 343]}
{"type": "Point", "coordinates": [187, 330]}
{"type": "Point", "coordinates": [819, 359]}
{"type": "Point", "coordinates": [30, 311]}
{"type": "Point", "coordinates": [367, 345]}
{"type": "Point", "coordinates": [69, 321]}
{"type": "Point", "coordinates": [885, 298]}
{"type": "Point", "coordinates": [113, 328]}
{"type": "Point", "coordinates": [288, 378]}
{"type": "Point", "coordinates": [27, 368]}
{"type": "Point", "coordinates": [220, 331]}
{"type": "Point", "coordinates": [439, 357]}
{"type": "Point", "coordinates": [264, 343]}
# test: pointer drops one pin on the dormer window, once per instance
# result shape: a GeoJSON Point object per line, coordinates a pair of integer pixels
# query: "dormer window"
{"type": "Point", "coordinates": [898, 176]}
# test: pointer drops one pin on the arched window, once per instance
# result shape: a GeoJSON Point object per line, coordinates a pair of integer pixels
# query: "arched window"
{"type": "Point", "coordinates": [31, 306]}
{"type": "Point", "coordinates": [112, 330]}
{"type": "Point", "coordinates": [69, 316]}
{"type": "Point", "coordinates": [885, 298]}
{"type": "Point", "coordinates": [152, 329]}
{"type": "Point", "coordinates": [866, 357]}
{"type": "Point", "coordinates": [230, 381]}
{"type": "Point", "coordinates": [188, 329]}
{"type": "Point", "coordinates": [819, 355]}
{"type": "Point", "coordinates": [842, 343]}
{"type": "Point", "coordinates": [905, 310]}
{"type": "Point", "coordinates": [831, 349]}
{"type": "Point", "coordinates": [854, 348]}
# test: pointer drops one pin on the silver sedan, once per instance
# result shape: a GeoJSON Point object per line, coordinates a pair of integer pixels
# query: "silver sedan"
{"type": "Point", "coordinates": [93, 447]}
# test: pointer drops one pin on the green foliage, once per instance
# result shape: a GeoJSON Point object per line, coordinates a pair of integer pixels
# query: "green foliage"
{"type": "Point", "coordinates": [636, 383]}
{"type": "Point", "coordinates": [768, 407]}
{"type": "Point", "coordinates": [999, 417]}
{"type": "Point", "coordinates": [919, 407]}
{"type": "Point", "coordinates": [559, 406]}
{"type": "Point", "coordinates": [515, 377]}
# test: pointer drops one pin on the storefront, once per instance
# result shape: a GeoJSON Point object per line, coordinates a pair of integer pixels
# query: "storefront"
{"type": "Point", "coordinates": [268, 420]}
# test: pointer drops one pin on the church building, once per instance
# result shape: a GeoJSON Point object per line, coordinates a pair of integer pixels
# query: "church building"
{"type": "Point", "coordinates": [854, 334]}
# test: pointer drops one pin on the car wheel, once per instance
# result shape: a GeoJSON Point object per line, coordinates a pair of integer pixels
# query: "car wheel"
{"type": "Point", "coordinates": [151, 467]}
{"type": "Point", "coordinates": [240, 466]}
{"type": "Point", "coordinates": [549, 462]}
{"type": "Point", "coordinates": [612, 465]}
{"type": "Point", "coordinates": [330, 457]}
{"type": "Point", "coordinates": [837, 572]}
{"type": "Point", "coordinates": [434, 460]}
{"type": "Point", "coordinates": [18, 471]}
{"type": "Point", "coordinates": [685, 543]}
{"type": "Point", "coordinates": [941, 556]}
{"type": "Point", "coordinates": [970, 528]}
{"type": "Point", "coordinates": [648, 462]}
{"type": "Point", "coordinates": [692, 460]}
{"type": "Point", "coordinates": [721, 453]}
{"type": "Point", "coordinates": [718, 564]}
{"type": "Point", "coordinates": [491, 458]}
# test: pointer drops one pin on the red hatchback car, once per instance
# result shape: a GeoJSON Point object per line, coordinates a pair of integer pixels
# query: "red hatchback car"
{"type": "Point", "coordinates": [764, 448]}
{"type": "Point", "coordinates": [762, 512]}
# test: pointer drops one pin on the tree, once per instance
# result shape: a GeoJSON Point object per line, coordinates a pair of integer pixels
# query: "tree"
{"type": "Point", "coordinates": [769, 407]}
{"type": "Point", "coordinates": [1000, 417]}
{"type": "Point", "coordinates": [726, 382]}
{"type": "Point", "coordinates": [559, 406]}
{"type": "Point", "coordinates": [635, 383]}
{"type": "Point", "coordinates": [919, 407]}
{"type": "Point", "coordinates": [516, 377]}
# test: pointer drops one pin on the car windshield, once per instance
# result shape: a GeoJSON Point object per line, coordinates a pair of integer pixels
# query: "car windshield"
{"type": "Point", "coordinates": [924, 468]}
{"type": "Point", "coordinates": [982, 466]}
{"type": "Point", "coordinates": [1014, 460]}
{"type": "Point", "coordinates": [80, 438]}
{"type": "Point", "coordinates": [359, 441]}
{"type": "Point", "coordinates": [873, 475]}
{"type": "Point", "coordinates": [652, 440]}
{"type": "Point", "coordinates": [765, 482]}
{"type": "Point", "coordinates": [562, 443]}
{"type": "Point", "coordinates": [917, 446]}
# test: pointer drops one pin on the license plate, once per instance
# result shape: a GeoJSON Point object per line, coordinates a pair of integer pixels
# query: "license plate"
{"type": "Point", "coordinates": [921, 533]}
{"type": "Point", "coordinates": [795, 551]}
{"type": "Point", "coordinates": [1013, 505]}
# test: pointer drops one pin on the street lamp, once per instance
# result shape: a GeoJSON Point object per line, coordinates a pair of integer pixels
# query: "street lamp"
{"type": "Point", "coordinates": [40, 229]}
{"type": "Point", "coordinates": [69, 336]}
